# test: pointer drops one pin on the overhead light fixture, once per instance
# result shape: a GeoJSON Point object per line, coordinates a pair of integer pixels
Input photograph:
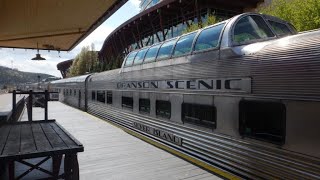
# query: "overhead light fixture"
{"type": "Point", "coordinates": [38, 56]}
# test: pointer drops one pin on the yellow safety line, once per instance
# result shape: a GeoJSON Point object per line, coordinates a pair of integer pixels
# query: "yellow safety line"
{"type": "Point", "coordinates": [204, 165]}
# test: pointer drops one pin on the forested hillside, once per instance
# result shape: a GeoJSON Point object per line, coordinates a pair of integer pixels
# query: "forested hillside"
{"type": "Point", "coordinates": [9, 76]}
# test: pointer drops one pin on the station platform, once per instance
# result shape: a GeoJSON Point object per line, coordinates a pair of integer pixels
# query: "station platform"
{"type": "Point", "coordinates": [5, 102]}
{"type": "Point", "coordinates": [111, 153]}
{"type": "Point", "coordinates": [6, 105]}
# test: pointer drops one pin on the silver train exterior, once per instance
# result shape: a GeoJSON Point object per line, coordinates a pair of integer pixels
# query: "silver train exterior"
{"type": "Point", "coordinates": [72, 91]}
{"type": "Point", "coordinates": [242, 95]}
{"type": "Point", "coordinates": [45, 84]}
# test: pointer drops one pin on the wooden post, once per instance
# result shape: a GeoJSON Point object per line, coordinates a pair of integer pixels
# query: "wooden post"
{"type": "Point", "coordinates": [11, 170]}
{"type": "Point", "coordinates": [30, 106]}
{"type": "Point", "coordinates": [71, 167]}
{"type": "Point", "coordinates": [161, 25]}
{"type": "Point", "coordinates": [135, 39]}
{"type": "Point", "coordinates": [67, 167]}
{"type": "Point", "coordinates": [46, 98]}
{"type": "Point", "coordinates": [154, 30]}
{"type": "Point", "coordinates": [56, 163]}
{"type": "Point", "coordinates": [14, 105]}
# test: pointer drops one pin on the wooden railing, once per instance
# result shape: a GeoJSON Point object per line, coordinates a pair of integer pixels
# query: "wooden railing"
{"type": "Point", "coordinates": [41, 102]}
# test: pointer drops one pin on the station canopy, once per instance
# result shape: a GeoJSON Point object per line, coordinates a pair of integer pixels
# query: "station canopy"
{"type": "Point", "coordinates": [52, 24]}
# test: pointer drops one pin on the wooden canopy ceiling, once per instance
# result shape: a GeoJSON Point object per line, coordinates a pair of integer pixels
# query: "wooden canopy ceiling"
{"type": "Point", "coordinates": [52, 24]}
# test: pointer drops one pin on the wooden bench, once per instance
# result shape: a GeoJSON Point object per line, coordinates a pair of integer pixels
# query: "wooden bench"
{"type": "Point", "coordinates": [25, 140]}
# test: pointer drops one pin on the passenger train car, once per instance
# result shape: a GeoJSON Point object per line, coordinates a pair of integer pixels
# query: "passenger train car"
{"type": "Point", "coordinates": [40, 86]}
{"type": "Point", "coordinates": [242, 95]}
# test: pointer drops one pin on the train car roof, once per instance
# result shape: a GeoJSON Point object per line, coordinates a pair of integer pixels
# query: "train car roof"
{"type": "Point", "coordinates": [238, 32]}
{"type": "Point", "coordinates": [106, 75]}
{"type": "Point", "coordinates": [81, 78]}
{"type": "Point", "coordinates": [226, 41]}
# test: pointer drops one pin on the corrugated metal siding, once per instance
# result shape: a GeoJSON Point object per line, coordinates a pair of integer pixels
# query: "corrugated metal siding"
{"type": "Point", "coordinates": [248, 159]}
{"type": "Point", "coordinates": [289, 70]}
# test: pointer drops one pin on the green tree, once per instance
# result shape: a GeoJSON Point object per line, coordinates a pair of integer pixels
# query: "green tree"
{"type": "Point", "coordinates": [73, 69]}
{"type": "Point", "coordinates": [212, 19]}
{"type": "Point", "coordinates": [86, 61]}
{"type": "Point", "coordinates": [303, 14]}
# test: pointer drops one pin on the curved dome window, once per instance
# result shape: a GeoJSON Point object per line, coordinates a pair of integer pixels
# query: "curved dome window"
{"type": "Point", "coordinates": [130, 58]}
{"type": "Point", "coordinates": [152, 53]}
{"type": "Point", "coordinates": [250, 29]}
{"type": "Point", "coordinates": [166, 49]}
{"type": "Point", "coordinates": [209, 38]}
{"type": "Point", "coordinates": [140, 56]}
{"type": "Point", "coordinates": [184, 45]}
{"type": "Point", "coordinates": [279, 28]}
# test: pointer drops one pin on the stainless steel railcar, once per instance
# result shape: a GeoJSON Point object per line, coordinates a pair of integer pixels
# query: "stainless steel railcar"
{"type": "Point", "coordinates": [45, 84]}
{"type": "Point", "coordinates": [72, 91]}
{"type": "Point", "coordinates": [242, 95]}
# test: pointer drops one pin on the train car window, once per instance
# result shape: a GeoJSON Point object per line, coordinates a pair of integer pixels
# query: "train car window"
{"type": "Point", "coordinates": [74, 92]}
{"type": "Point", "coordinates": [264, 121]}
{"type": "Point", "coordinates": [127, 102]}
{"type": "Point", "coordinates": [166, 49]}
{"type": "Point", "coordinates": [163, 109]}
{"type": "Point", "coordinates": [202, 115]}
{"type": "Point", "coordinates": [209, 38]}
{"type": "Point", "coordinates": [250, 29]}
{"type": "Point", "coordinates": [151, 54]}
{"type": "Point", "coordinates": [101, 96]}
{"type": "Point", "coordinates": [293, 29]}
{"type": "Point", "coordinates": [140, 56]}
{"type": "Point", "coordinates": [109, 97]}
{"type": "Point", "coordinates": [93, 95]}
{"type": "Point", "coordinates": [144, 105]}
{"type": "Point", "coordinates": [184, 45]}
{"type": "Point", "coordinates": [130, 58]}
{"type": "Point", "coordinates": [279, 28]}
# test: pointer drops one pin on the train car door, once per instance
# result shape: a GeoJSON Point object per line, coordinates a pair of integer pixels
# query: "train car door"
{"type": "Point", "coordinates": [79, 100]}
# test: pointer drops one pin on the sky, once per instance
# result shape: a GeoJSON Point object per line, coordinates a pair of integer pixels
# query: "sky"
{"type": "Point", "coordinates": [20, 58]}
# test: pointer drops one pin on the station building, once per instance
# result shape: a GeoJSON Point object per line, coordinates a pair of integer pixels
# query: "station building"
{"type": "Point", "coordinates": [160, 20]}
{"type": "Point", "coordinates": [64, 67]}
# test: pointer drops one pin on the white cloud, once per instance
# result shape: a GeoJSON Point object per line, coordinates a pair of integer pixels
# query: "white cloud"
{"type": "Point", "coordinates": [21, 59]}
{"type": "Point", "coordinates": [46, 67]}
{"type": "Point", "coordinates": [97, 37]}
{"type": "Point", "coordinates": [135, 3]}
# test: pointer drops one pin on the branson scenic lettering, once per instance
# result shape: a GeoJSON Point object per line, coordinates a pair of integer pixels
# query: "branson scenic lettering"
{"type": "Point", "coordinates": [239, 84]}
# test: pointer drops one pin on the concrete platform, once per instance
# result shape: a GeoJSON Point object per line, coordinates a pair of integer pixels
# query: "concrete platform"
{"type": "Point", "coordinates": [5, 102]}
{"type": "Point", "coordinates": [6, 105]}
{"type": "Point", "coordinates": [111, 153]}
